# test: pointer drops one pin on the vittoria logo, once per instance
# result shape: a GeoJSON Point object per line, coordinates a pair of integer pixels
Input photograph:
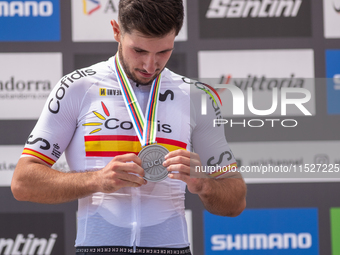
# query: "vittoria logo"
{"type": "Point", "coordinates": [263, 83]}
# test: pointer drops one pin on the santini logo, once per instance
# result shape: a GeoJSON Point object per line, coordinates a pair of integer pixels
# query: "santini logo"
{"type": "Point", "coordinates": [27, 246]}
{"type": "Point", "coordinates": [261, 241]}
{"type": "Point", "coordinates": [253, 8]}
{"type": "Point", "coordinates": [26, 8]}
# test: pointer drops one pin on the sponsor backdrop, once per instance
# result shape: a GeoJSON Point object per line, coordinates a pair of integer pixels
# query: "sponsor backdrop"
{"type": "Point", "coordinates": [274, 231]}
{"type": "Point", "coordinates": [281, 114]}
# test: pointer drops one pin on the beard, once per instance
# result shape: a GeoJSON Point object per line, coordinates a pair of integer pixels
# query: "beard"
{"type": "Point", "coordinates": [129, 72]}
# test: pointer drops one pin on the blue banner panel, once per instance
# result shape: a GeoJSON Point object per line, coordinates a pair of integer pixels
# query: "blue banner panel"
{"type": "Point", "coordinates": [29, 20]}
{"type": "Point", "coordinates": [333, 81]}
{"type": "Point", "coordinates": [263, 231]}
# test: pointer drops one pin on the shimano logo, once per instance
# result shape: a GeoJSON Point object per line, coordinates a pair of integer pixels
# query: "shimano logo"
{"type": "Point", "coordinates": [261, 241]}
{"type": "Point", "coordinates": [26, 8]}
{"type": "Point", "coordinates": [27, 246]}
{"type": "Point", "coordinates": [253, 8]}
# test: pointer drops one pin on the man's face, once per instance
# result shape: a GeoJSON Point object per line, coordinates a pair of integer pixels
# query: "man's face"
{"type": "Point", "coordinates": [143, 58]}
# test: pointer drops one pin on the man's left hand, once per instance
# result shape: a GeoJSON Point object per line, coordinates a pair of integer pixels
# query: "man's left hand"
{"type": "Point", "coordinates": [182, 165]}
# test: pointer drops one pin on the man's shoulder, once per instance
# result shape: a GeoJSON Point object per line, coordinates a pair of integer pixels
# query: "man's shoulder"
{"type": "Point", "coordinates": [187, 85]}
{"type": "Point", "coordinates": [90, 75]}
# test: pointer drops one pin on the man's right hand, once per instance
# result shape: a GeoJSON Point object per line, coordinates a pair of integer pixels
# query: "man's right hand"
{"type": "Point", "coordinates": [34, 181]}
{"type": "Point", "coordinates": [122, 171]}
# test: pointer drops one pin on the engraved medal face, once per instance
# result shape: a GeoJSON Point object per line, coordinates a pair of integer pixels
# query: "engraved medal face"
{"type": "Point", "coordinates": [152, 157]}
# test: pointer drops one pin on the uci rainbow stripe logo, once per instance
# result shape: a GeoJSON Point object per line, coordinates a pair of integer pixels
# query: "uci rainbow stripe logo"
{"type": "Point", "coordinates": [145, 126]}
{"type": "Point", "coordinates": [208, 92]}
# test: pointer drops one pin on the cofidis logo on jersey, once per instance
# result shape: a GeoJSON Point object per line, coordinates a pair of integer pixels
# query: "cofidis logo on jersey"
{"type": "Point", "coordinates": [333, 81]}
{"type": "Point", "coordinates": [29, 20]}
{"type": "Point", "coordinates": [263, 231]}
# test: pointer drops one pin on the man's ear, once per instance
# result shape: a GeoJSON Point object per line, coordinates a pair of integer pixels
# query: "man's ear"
{"type": "Point", "coordinates": [116, 30]}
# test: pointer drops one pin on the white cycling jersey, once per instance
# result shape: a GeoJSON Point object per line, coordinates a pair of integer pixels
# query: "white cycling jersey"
{"type": "Point", "coordinates": [85, 116]}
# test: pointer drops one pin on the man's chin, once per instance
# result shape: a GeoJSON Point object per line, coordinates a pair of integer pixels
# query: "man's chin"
{"type": "Point", "coordinates": [144, 81]}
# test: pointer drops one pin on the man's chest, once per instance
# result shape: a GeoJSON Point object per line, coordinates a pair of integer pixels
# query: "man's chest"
{"type": "Point", "coordinates": [107, 125]}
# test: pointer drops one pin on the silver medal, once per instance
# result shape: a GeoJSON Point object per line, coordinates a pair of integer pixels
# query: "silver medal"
{"type": "Point", "coordinates": [152, 157]}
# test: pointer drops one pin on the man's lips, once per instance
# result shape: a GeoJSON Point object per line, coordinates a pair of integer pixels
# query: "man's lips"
{"type": "Point", "coordinates": [146, 75]}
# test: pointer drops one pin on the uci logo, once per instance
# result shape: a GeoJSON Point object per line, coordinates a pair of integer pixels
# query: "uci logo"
{"type": "Point", "coordinates": [153, 163]}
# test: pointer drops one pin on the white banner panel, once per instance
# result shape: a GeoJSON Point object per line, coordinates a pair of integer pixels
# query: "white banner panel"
{"type": "Point", "coordinates": [261, 72]}
{"type": "Point", "coordinates": [277, 162]}
{"type": "Point", "coordinates": [9, 156]}
{"type": "Point", "coordinates": [91, 21]}
{"type": "Point", "coordinates": [26, 79]}
{"type": "Point", "coordinates": [331, 16]}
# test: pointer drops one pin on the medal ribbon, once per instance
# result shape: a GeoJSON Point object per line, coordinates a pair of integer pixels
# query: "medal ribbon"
{"type": "Point", "coordinates": [145, 126]}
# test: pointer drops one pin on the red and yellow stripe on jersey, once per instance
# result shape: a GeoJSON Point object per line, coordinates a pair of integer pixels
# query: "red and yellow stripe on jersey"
{"type": "Point", "coordinates": [38, 155]}
{"type": "Point", "coordinates": [114, 145]}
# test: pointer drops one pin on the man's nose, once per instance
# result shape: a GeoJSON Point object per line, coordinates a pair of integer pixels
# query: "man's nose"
{"type": "Point", "coordinates": [150, 64]}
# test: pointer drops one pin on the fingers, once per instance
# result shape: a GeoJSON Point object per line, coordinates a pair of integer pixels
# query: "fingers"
{"type": "Point", "coordinates": [181, 160]}
{"type": "Point", "coordinates": [122, 171]}
{"type": "Point", "coordinates": [129, 167]}
{"type": "Point", "coordinates": [183, 153]}
{"type": "Point", "coordinates": [128, 158]}
{"type": "Point", "coordinates": [126, 178]}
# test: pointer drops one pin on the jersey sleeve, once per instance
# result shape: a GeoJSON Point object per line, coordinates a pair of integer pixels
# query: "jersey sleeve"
{"type": "Point", "coordinates": [208, 136]}
{"type": "Point", "coordinates": [58, 120]}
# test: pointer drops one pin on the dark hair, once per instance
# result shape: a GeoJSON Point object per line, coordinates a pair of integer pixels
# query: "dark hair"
{"type": "Point", "coordinates": [154, 18]}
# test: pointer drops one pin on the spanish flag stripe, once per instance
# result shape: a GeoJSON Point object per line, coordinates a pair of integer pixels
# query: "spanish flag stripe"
{"type": "Point", "coordinates": [107, 153]}
{"type": "Point", "coordinates": [97, 138]}
{"type": "Point", "coordinates": [122, 146]}
{"type": "Point", "coordinates": [110, 146]}
{"type": "Point", "coordinates": [171, 142]}
{"type": "Point", "coordinates": [113, 146]}
{"type": "Point", "coordinates": [38, 155]}
{"type": "Point", "coordinates": [111, 138]}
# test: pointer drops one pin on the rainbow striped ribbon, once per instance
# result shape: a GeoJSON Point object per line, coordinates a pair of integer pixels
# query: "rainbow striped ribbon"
{"type": "Point", "coordinates": [146, 127]}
